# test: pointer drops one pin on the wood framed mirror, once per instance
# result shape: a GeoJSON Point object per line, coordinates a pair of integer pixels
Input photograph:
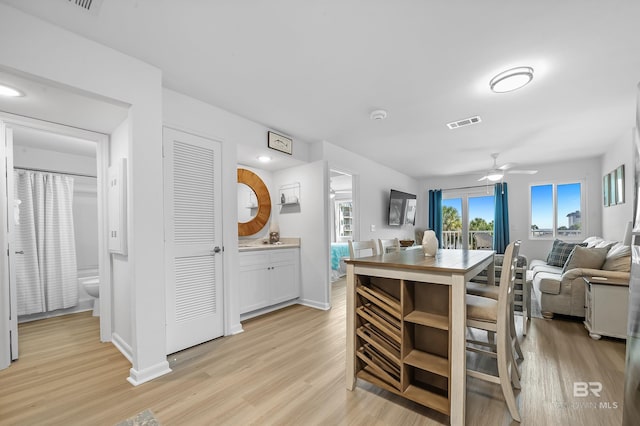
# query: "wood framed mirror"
{"type": "Point", "coordinates": [261, 218]}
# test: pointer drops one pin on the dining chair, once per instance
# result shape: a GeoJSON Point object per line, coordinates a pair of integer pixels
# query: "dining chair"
{"type": "Point", "coordinates": [356, 248]}
{"type": "Point", "coordinates": [494, 316]}
{"type": "Point", "coordinates": [483, 241]}
{"type": "Point", "coordinates": [492, 292]}
{"type": "Point", "coordinates": [388, 246]}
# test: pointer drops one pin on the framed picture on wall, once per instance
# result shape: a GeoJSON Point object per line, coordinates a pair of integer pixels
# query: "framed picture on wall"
{"type": "Point", "coordinates": [605, 190]}
{"type": "Point", "coordinates": [613, 191]}
{"type": "Point", "coordinates": [620, 184]}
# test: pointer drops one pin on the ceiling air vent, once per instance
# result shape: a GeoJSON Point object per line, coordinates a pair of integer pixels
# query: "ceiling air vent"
{"type": "Point", "coordinates": [92, 6]}
{"type": "Point", "coordinates": [466, 122]}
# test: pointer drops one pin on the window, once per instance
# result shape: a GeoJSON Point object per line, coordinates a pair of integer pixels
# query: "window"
{"type": "Point", "coordinates": [464, 215]}
{"type": "Point", "coordinates": [556, 211]}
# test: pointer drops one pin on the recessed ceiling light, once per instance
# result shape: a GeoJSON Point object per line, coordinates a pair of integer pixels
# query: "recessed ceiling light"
{"type": "Point", "coordinates": [9, 91]}
{"type": "Point", "coordinates": [378, 115]}
{"type": "Point", "coordinates": [512, 79]}
{"type": "Point", "coordinates": [264, 158]}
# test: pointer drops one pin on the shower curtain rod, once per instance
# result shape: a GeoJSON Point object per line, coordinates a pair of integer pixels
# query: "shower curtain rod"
{"type": "Point", "coordinates": [53, 171]}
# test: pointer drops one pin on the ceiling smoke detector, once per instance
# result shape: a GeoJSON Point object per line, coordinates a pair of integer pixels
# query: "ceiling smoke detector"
{"type": "Point", "coordinates": [378, 115]}
{"type": "Point", "coordinates": [465, 122]}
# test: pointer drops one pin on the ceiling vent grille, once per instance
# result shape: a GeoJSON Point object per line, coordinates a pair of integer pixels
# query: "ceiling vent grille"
{"type": "Point", "coordinates": [92, 6]}
{"type": "Point", "coordinates": [465, 122]}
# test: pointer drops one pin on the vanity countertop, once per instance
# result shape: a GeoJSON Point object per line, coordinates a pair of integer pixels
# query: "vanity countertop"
{"type": "Point", "coordinates": [255, 245]}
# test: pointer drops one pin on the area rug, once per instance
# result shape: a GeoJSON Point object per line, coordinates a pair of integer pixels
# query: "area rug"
{"type": "Point", "coordinates": [145, 418]}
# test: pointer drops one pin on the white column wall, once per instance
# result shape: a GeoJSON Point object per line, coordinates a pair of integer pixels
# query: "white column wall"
{"type": "Point", "coordinates": [43, 50]}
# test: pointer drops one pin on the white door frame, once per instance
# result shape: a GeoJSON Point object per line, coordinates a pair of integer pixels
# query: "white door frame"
{"type": "Point", "coordinates": [102, 160]}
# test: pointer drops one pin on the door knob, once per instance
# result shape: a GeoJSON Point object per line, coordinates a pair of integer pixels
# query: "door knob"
{"type": "Point", "coordinates": [20, 252]}
{"type": "Point", "coordinates": [216, 249]}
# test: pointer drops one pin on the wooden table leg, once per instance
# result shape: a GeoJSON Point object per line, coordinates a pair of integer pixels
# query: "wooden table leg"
{"type": "Point", "coordinates": [351, 333]}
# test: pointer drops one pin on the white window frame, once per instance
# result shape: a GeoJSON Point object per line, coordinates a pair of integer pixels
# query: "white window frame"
{"type": "Point", "coordinates": [554, 193]}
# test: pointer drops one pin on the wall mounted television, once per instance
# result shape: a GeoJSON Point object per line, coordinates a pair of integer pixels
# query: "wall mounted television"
{"type": "Point", "coordinates": [402, 208]}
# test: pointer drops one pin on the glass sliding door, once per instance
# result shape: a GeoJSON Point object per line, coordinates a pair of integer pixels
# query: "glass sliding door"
{"type": "Point", "coordinates": [467, 219]}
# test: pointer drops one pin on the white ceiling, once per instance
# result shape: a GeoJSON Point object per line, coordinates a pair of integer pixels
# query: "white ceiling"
{"type": "Point", "coordinates": [316, 70]}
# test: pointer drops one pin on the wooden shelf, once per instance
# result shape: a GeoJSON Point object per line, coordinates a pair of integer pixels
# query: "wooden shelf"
{"type": "Point", "coordinates": [380, 342]}
{"type": "Point", "coordinates": [370, 316]}
{"type": "Point", "coordinates": [440, 322]}
{"type": "Point", "coordinates": [427, 398]}
{"type": "Point", "coordinates": [381, 299]}
{"type": "Point", "coordinates": [428, 362]}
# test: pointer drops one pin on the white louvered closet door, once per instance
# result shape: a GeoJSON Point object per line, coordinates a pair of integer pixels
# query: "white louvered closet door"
{"type": "Point", "coordinates": [193, 239]}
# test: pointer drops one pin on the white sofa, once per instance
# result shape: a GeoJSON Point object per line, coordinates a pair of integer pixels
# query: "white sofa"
{"type": "Point", "coordinates": [561, 289]}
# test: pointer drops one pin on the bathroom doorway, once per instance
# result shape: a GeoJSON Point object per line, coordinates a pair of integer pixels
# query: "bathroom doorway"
{"type": "Point", "coordinates": [342, 223]}
{"type": "Point", "coordinates": [55, 254]}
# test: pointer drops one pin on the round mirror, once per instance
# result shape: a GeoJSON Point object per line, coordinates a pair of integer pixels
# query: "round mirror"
{"type": "Point", "coordinates": [247, 203]}
{"type": "Point", "coordinates": [259, 216]}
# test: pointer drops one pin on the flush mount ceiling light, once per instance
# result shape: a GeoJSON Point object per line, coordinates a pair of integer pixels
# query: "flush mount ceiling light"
{"type": "Point", "coordinates": [9, 91]}
{"type": "Point", "coordinates": [264, 158]}
{"type": "Point", "coordinates": [512, 79]}
{"type": "Point", "coordinates": [378, 115]}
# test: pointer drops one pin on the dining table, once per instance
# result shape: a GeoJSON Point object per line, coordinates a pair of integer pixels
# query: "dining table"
{"type": "Point", "coordinates": [406, 324]}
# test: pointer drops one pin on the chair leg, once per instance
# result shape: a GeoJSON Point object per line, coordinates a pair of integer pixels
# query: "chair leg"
{"type": "Point", "coordinates": [505, 383]}
{"type": "Point", "coordinates": [514, 334]}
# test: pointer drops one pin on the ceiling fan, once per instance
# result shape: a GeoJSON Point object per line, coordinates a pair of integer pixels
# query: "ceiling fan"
{"type": "Point", "coordinates": [496, 173]}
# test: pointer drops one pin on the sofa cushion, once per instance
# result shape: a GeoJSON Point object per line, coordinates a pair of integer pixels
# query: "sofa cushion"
{"type": "Point", "coordinates": [537, 262]}
{"type": "Point", "coordinates": [560, 252]}
{"type": "Point", "coordinates": [583, 257]}
{"type": "Point", "coordinates": [592, 241]}
{"type": "Point", "coordinates": [618, 259]}
{"type": "Point", "coordinates": [548, 269]}
{"type": "Point", "coordinates": [548, 282]}
{"type": "Point", "coordinates": [605, 244]}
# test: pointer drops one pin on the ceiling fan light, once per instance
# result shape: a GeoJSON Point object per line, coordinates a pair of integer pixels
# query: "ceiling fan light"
{"type": "Point", "coordinates": [512, 79]}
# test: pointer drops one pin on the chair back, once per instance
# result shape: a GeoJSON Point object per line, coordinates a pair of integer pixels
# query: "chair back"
{"type": "Point", "coordinates": [388, 246]}
{"type": "Point", "coordinates": [484, 241]}
{"type": "Point", "coordinates": [507, 283]}
{"type": "Point", "coordinates": [362, 248]}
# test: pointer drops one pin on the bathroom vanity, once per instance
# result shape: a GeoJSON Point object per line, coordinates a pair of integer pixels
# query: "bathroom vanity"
{"type": "Point", "coordinates": [269, 276]}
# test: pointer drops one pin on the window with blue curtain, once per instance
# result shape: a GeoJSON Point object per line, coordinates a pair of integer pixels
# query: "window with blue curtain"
{"type": "Point", "coordinates": [501, 220]}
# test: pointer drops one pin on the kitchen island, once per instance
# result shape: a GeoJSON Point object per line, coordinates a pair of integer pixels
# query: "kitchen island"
{"type": "Point", "coordinates": [406, 322]}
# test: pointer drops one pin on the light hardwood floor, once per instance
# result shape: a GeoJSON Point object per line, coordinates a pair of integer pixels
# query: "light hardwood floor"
{"type": "Point", "coordinates": [288, 368]}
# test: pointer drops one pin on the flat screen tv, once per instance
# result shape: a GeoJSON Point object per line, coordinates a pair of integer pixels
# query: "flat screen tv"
{"type": "Point", "coordinates": [402, 208]}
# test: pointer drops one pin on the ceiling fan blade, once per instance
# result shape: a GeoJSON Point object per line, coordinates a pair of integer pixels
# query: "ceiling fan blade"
{"type": "Point", "coordinates": [507, 166]}
{"type": "Point", "coordinates": [522, 172]}
{"type": "Point", "coordinates": [483, 178]}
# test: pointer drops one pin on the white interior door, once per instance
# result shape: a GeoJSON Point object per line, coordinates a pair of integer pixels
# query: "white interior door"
{"type": "Point", "coordinates": [8, 308]}
{"type": "Point", "coordinates": [193, 239]}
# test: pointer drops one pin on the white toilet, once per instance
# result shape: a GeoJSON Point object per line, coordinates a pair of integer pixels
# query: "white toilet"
{"type": "Point", "coordinates": [92, 287]}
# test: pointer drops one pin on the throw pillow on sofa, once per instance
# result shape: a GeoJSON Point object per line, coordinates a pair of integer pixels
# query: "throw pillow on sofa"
{"type": "Point", "coordinates": [560, 252]}
{"type": "Point", "coordinates": [583, 257]}
{"type": "Point", "coordinates": [618, 259]}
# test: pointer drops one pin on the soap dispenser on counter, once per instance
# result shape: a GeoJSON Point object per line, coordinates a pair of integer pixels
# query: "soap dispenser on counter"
{"type": "Point", "coordinates": [274, 233]}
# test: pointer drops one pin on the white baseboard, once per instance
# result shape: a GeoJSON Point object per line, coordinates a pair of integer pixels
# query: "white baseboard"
{"type": "Point", "coordinates": [268, 309]}
{"type": "Point", "coordinates": [235, 329]}
{"type": "Point", "coordinates": [122, 346]}
{"type": "Point", "coordinates": [137, 378]}
{"type": "Point", "coordinates": [315, 305]}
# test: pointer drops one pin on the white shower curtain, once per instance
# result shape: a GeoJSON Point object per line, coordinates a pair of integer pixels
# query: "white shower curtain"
{"type": "Point", "coordinates": [46, 270]}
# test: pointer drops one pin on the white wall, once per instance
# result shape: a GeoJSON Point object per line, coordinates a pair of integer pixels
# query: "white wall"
{"type": "Point", "coordinates": [310, 222]}
{"type": "Point", "coordinates": [372, 184]}
{"type": "Point", "coordinates": [587, 170]}
{"type": "Point", "coordinates": [120, 268]}
{"type": "Point", "coordinates": [615, 218]}
{"type": "Point", "coordinates": [33, 46]}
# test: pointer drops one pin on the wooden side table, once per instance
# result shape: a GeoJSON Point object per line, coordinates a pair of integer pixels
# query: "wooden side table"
{"type": "Point", "coordinates": [606, 307]}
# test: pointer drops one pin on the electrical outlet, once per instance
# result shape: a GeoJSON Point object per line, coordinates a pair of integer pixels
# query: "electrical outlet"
{"type": "Point", "coordinates": [373, 228]}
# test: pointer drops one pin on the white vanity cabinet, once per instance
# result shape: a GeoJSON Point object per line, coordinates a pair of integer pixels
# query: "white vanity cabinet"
{"type": "Point", "coordinates": [267, 278]}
